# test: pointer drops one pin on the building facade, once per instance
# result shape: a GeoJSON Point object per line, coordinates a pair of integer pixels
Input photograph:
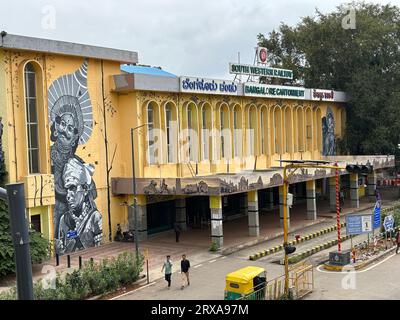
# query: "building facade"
{"type": "Point", "coordinates": [203, 149]}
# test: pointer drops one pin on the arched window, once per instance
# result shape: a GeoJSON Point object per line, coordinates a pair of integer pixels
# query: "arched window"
{"type": "Point", "coordinates": [206, 128]}
{"type": "Point", "coordinates": [171, 130]}
{"type": "Point", "coordinates": [252, 130]}
{"type": "Point", "coordinates": [278, 130]}
{"type": "Point", "coordinates": [32, 127]}
{"type": "Point", "coordinates": [288, 130]}
{"type": "Point", "coordinates": [224, 132]}
{"type": "Point", "coordinates": [150, 132]}
{"type": "Point", "coordinates": [300, 128]}
{"type": "Point", "coordinates": [222, 124]}
{"type": "Point", "coordinates": [262, 125]}
{"type": "Point", "coordinates": [237, 131]}
{"type": "Point", "coordinates": [319, 129]}
{"type": "Point", "coordinates": [309, 129]}
{"type": "Point", "coordinates": [191, 131]}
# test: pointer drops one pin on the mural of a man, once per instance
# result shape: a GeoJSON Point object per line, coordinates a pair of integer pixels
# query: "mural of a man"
{"type": "Point", "coordinates": [328, 130]}
{"type": "Point", "coordinates": [81, 226]}
{"type": "Point", "coordinates": [71, 124]}
{"type": "Point", "coordinates": [65, 135]}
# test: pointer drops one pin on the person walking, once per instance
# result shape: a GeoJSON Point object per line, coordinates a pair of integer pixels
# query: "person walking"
{"type": "Point", "coordinates": [398, 240]}
{"type": "Point", "coordinates": [185, 266]}
{"type": "Point", "coordinates": [167, 266]}
{"type": "Point", "coordinates": [177, 229]}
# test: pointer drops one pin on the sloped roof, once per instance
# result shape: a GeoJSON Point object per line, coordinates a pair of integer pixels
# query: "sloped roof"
{"type": "Point", "coordinates": [146, 70]}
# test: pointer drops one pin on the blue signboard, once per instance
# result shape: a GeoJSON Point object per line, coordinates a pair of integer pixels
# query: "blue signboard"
{"type": "Point", "coordinates": [358, 224]}
{"type": "Point", "coordinates": [388, 223]}
{"type": "Point", "coordinates": [72, 234]}
{"type": "Point", "coordinates": [377, 214]}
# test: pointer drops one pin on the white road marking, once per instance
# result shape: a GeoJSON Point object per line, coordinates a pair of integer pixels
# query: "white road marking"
{"type": "Point", "coordinates": [212, 261]}
{"type": "Point", "coordinates": [199, 265]}
{"type": "Point", "coordinates": [126, 293]}
{"type": "Point", "coordinates": [365, 270]}
{"type": "Point", "coordinates": [224, 257]}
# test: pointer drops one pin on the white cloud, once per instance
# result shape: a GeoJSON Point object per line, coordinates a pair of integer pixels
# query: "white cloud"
{"type": "Point", "coordinates": [184, 37]}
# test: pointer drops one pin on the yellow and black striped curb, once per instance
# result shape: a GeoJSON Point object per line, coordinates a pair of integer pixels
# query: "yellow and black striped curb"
{"type": "Point", "coordinates": [307, 237]}
{"type": "Point", "coordinates": [320, 247]}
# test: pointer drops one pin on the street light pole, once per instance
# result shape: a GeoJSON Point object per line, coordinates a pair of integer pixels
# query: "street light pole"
{"type": "Point", "coordinates": [136, 235]}
{"type": "Point", "coordinates": [15, 196]}
{"type": "Point", "coordinates": [134, 195]}
{"type": "Point", "coordinates": [284, 203]}
{"type": "Point", "coordinates": [285, 228]}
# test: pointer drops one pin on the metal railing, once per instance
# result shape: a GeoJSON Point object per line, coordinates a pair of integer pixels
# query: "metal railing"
{"type": "Point", "coordinates": [301, 279]}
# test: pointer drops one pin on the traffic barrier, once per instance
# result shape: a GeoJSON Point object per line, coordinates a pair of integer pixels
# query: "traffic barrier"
{"type": "Point", "coordinates": [298, 239]}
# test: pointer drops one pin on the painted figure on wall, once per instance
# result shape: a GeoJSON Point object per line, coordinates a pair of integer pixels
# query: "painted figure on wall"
{"type": "Point", "coordinates": [71, 124]}
{"type": "Point", "coordinates": [328, 133]}
{"type": "Point", "coordinates": [81, 225]}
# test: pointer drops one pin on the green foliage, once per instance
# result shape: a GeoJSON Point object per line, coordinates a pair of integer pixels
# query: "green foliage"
{"type": "Point", "coordinates": [361, 61]}
{"type": "Point", "coordinates": [9, 294]}
{"type": "Point", "coordinates": [6, 246]}
{"type": "Point", "coordinates": [213, 247]}
{"type": "Point", "coordinates": [93, 279]}
{"type": "Point", "coordinates": [396, 216]}
{"type": "Point", "coordinates": [40, 247]}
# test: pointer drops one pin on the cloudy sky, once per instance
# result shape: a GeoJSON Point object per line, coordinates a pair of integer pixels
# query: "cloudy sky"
{"type": "Point", "coordinates": [194, 38]}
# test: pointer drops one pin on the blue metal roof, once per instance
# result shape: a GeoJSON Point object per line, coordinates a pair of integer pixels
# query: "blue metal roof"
{"type": "Point", "coordinates": [146, 70]}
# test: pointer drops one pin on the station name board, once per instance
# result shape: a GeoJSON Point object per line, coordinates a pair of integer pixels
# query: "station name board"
{"type": "Point", "coordinates": [248, 69]}
{"type": "Point", "coordinates": [273, 91]}
{"type": "Point", "coordinates": [207, 86]}
{"type": "Point", "coordinates": [325, 95]}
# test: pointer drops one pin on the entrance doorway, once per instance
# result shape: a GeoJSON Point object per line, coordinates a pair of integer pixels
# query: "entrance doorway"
{"type": "Point", "coordinates": [198, 214]}
{"type": "Point", "coordinates": [160, 216]}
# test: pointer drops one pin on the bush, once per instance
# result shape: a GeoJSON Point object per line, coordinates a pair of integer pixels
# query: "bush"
{"type": "Point", "coordinates": [92, 279]}
{"type": "Point", "coordinates": [40, 247]}
{"type": "Point", "coordinates": [213, 247]}
{"type": "Point", "coordinates": [9, 295]}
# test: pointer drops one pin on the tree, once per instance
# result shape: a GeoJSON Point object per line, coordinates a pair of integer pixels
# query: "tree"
{"type": "Point", "coordinates": [40, 247]}
{"type": "Point", "coordinates": [365, 62]}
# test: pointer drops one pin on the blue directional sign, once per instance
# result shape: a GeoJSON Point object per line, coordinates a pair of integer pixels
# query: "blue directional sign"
{"type": "Point", "coordinates": [377, 214]}
{"type": "Point", "coordinates": [358, 224]}
{"type": "Point", "coordinates": [388, 223]}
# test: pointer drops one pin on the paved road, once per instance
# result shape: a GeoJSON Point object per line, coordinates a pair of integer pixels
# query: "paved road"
{"type": "Point", "coordinates": [207, 281]}
{"type": "Point", "coordinates": [380, 281]}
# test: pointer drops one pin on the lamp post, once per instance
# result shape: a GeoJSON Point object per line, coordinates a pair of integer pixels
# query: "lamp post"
{"type": "Point", "coordinates": [15, 196]}
{"type": "Point", "coordinates": [136, 237]}
{"type": "Point", "coordinates": [297, 165]}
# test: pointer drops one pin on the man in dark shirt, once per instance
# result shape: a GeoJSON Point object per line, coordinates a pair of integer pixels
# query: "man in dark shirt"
{"type": "Point", "coordinates": [185, 266]}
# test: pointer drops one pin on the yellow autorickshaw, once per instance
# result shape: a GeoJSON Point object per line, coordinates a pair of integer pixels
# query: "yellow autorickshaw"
{"type": "Point", "coordinates": [246, 282]}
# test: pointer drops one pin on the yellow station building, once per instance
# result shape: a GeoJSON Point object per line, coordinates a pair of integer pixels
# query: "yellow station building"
{"type": "Point", "coordinates": [205, 150]}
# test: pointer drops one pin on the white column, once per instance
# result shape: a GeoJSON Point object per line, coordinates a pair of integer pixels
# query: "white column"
{"type": "Point", "coordinates": [180, 213]}
{"type": "Point", "coordinates": [253, 215]}
{"type": "Point", "coordinates": [311, 200]}
{"type": "Point", "coordinates": [217, 234]}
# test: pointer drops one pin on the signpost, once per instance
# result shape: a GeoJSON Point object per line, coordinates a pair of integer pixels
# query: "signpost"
{"type": "Point", "coordinates": [358, 224]}
{"type": "Point", "coordinates": [377, 214]}
{"type": "Point", "coordinates": [273, 91]}
{"type": "Point", "coordinates": [388, 224]}
{"type": "Point", "coordinates": [208, 86]}
{"type": "Point", "coordinates": [252, 70]}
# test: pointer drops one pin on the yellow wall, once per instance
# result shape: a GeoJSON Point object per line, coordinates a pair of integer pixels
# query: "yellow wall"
{"type": "Point", "coordinates": [293, 130]}
{"type": "Point", "coordinates": [124, 111]}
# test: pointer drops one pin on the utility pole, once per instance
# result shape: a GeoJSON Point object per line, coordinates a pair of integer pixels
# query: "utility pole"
{"type": "Point", "coordinates": [136, 236]}
{"type": "Point", "coordinates": [15, 195]}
